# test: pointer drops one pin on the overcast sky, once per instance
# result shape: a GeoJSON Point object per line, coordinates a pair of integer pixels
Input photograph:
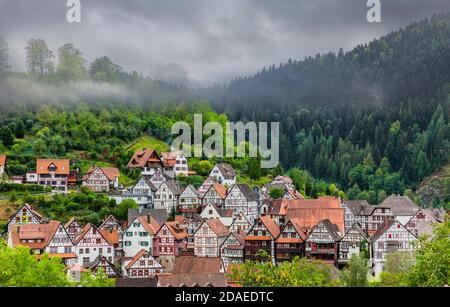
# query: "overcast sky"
{"type": "Point", "coordinates": [205, 41]}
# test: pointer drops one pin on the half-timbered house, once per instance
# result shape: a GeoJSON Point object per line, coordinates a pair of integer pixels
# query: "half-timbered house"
{"type": "Point", "coordinates": [158, 178]}
{"type": "Point", "coordinates": [101, 179]}
{"type": "Point", "coordinates": [241, 198]}
{"type": "Point", "coordinates": [166, 197]}
{"type": "Point", "coordinates": [213, 212]}
{"type": "Point", "coordinates": [170, 240]}
{"type": "Point", "coordinates": [205, 186]}
{"type": "Point", "coordinates": [323, 242]}
{"type": "Point", "coordinates": [240, 224]}
{"type": "Point", "coordinates": [73, 228]}
{"type": "Point", "coordinates": [354, 242]}
{"type": "Point", "coordinates": [90, 244]}
{"type": "Point", "coordinates": [390, 237]}
{"type": "Point", "coordinates": [224, 174]}
{"type": "Point", "coordinates": [215, 195]}
{"type": "Point", "coordinates": [189, 202]}
{"type": "Point", "coordinates": [142, 265]}
{"type": "Point", "coordinates": [421, 224]}
{"type": "Point", "coordinates": [139, 235]}
{"type": "Point", "coordinates": [102, 263]}
{"type": "Point", "coordinates": [147, 160]}
{"type": "Point", "coordinates": [111, 223]}
{"type": "Point", "coordinates": [232, 249]}
{"type": "Point", "coordinates": [25, 215]}
{"type": "Point", "coordinates": [261, 237]}
{"type": "Point", "coordinates": [142, 193]}
{"type": "Point", "coordinates": [291, 241]}
{"type": "Point", "coordinates": [193, 224]}
{"type": "Point", "coordinates": [209, 237]}
{"type": "Point", "coordinates": [51, 238]}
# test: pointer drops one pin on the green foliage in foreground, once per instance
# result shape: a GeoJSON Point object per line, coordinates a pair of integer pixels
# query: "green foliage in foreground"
{"type": "Point", "coordinates": [298, 273]}
{"type": "Point", "coordinates": [428, 267]}
{"type": "Point", "coordinates": [19, 268]}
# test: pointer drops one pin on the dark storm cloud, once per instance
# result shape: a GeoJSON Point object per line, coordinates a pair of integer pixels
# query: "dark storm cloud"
{"type": "Point", "coordinates": [203, 40]}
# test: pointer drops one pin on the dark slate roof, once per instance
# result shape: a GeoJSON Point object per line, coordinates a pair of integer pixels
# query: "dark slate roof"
{"type": "Point", "coordinates": [160, 215]}
{"type": "Point", "coordinates": [136, 282]}
{"type": "Point", "coordinates": [332, 229]}
{"type": "Point", "coordinates": [197, 265]}
{"type": "Point", "coordinates": [436, 215]}
{"type": "Point", "coordinates": [173, 186]}
{"type": "Point", "coordinates": [382, 229]}
{"type": "Point", "coordinates": [356, 206]}
{"type": "Point", "coordinates": [227, 170]}
{"type": "Point", "coordinates": [248, 193]}
{"type": "Point", "coordinates": [400, 205]}
{"type": "Point", "coordinates": [358, 228]}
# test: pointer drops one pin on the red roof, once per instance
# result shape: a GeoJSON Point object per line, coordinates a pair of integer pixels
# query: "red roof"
{"type": "Point", "coordinates": [42, 232]}
{"type": "Point", "coordinates": [2, 160]}
{"type": "Point", "coordinates": [149, 223]}
{"type": "Point", "coordinates": [62, 166]}
{"type": "Point", "coordinates": [271, 226]}
{"type": "Point", "coordinates": [138, 256]}
{"type": "Point", "coordinates": [177, 232]}
{"type": "Point", "coordinates": [218, 227]}
{"type": "Point", "coordinates": [110, 172]}
{"type": "Point", "coordinates": [142, 157]}
{"type": "Point", "coordinates": [308, 218]}
{"type": "Point", "coordinates": [111, 236]}
{"type": "Point", "coordinates": [221, 190]}
{"type": "Point", "coordinates": [281, 207]}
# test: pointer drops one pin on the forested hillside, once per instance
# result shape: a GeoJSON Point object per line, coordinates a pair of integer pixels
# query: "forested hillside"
{"type": "Point", "coordinates": [374, 119]}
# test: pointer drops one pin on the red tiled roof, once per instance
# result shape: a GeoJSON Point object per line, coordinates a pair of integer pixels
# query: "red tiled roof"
{"type": "Point", "coordinates": [149, 223]}
{"type": "Point", "coordinates": [69, 222]}
{"type": "Point", "coordinates": [141, 157]}
{"type": "Point", "coordinates": [177, 232]}
{"type": "Point", "coordinates": [62, 166]}
{"type": "Point", "coordinates": [138, 256]}
{"type": "Point", "coordinates": [271, 226]}
{"type": "Point", "coordinates": [60, 256]}
{"type": "Point", "coordinates": [112, 237]}
{"type": "Point", "coordinates": [281, 207]}
{"type": "Point", "coordinates": [44, 232]}
{"type": "Point", "coordinates": [221, 190]}
{"type": "Point", "coordinates": [2, 160]}
{"type": "Point", "coordinates": [218, 227]}
{"type": "Point", "coordinates": [197, 265]}
{"type": "Point", "coordinates": [110, 172]}
{"type": "Point", "coordinates": [308, 218]}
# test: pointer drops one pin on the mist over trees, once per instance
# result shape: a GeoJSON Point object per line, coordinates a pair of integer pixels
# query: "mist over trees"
{"type": "Point", "coordinates": [374, 119]}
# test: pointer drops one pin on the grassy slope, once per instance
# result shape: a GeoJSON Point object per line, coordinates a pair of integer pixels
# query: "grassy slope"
{"type": "Point", "coordinates": [148, 142]}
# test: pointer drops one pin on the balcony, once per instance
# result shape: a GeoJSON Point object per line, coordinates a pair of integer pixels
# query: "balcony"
{"type": "Point", "coordinates": [323, 251]}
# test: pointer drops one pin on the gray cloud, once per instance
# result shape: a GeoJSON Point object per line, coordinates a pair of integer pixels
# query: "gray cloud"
{"type": "Point", "coordinates": [204, 41]}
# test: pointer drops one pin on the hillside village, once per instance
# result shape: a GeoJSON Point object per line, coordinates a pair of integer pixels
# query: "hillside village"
{"type": "Point", "coordinates": [188, 236]}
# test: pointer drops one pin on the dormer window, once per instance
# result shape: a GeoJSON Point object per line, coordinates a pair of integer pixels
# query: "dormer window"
{"type": "Point", "coordinates": [52, 168]}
